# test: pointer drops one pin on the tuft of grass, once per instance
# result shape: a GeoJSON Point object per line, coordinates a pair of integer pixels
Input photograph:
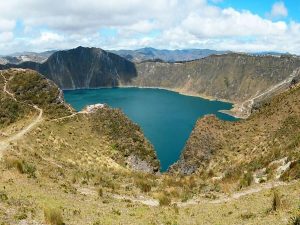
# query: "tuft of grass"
{"type": "Point", "coordinates": [100, 192]}
{"type": "Point", "coordinates": [21, 216]}
{"type": "Point", "coordinates": [22, 166]}
{"type": "Point", "coordinates": [164, 200]}
{"type": "Point", "coordinates": [247, 215]}
{"type": "Point", "coordinates": [276, 202]}
{"type": "Point", "coordinates": [53, 216]}
{"type": "Point", "coordinates": [143, 184]}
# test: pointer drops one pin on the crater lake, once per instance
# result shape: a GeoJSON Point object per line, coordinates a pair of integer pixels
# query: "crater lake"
{"type": "Point", "coordinates": [166, 118]}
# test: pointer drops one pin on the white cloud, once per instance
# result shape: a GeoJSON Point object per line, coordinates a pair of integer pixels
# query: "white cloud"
{"type": "Point", "coordinates": [6, 24]}
{"type": "Point", "coordinates": [61, 24]}
{"type": "Point", "coordinates": [279, 10]}
{"type": "Point", "coordinates": [6, 36]}
{"type": "Point", "coordinates": [229, 22]}
{"type": "Point", "coordinates": [50, 36]}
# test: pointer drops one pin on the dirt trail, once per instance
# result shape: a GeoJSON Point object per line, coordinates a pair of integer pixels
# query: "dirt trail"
{"type": "Point", "coordinates": [4, 144]}
{"type": "Point", "coordinates": [247, 105]}
{"type": "Point", "coordinates": [145, 200]}
{"type": "Point", "coordinates": [222, 199]}
{"type": "Point", "coordinates": [237, 195]}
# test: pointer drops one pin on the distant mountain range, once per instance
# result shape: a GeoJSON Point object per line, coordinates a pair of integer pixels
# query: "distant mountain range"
{"type": "Point", "coordinates": [139, 55]}
{"type": "Point", "coordinates": [21, 57]}
{"type": "Point", "coordinates": [146, 54]}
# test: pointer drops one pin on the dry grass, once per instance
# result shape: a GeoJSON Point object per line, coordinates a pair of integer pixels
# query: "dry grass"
{"type": "Point", "coordinates": [53, 216]}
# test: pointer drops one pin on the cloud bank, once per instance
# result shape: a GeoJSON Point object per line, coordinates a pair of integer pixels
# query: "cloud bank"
{"type": "Point", "coordinates": [60, 24]}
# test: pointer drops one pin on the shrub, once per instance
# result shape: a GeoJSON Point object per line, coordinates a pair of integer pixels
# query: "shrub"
{"type": "Point", "coordinates": [295, 220]}
{"type": "Point", "coordinates": [29, 169]}
{"type": "Point", "coordinates": [53, 216]}
{"type": "Point", "coordinates": [246, 180]}
{"type": "Point", "coordinates": [3, 196]}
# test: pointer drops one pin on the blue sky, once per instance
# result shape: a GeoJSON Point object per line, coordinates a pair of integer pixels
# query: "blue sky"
{"type": "Point", "coordinates": [262, 7]}
{"type": "Point", "coordinates": [238, 25]}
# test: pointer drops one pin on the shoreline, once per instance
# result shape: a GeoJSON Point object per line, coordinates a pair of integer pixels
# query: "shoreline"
{"type": "Point", "coordinates": [230, 112]}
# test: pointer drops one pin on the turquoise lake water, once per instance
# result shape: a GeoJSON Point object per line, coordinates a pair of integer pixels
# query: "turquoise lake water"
{"type": "Point", "coordinates": [167, 118]}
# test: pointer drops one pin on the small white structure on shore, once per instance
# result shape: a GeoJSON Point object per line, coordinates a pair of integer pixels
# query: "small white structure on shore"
{"type": "Point", "coordinates": [92, 108]}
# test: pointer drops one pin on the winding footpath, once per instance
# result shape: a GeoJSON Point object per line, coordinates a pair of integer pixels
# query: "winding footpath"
{"type": "Point", "coordinates": [4, 144]}
{"type": "Point", "coordinates": [151, 202]}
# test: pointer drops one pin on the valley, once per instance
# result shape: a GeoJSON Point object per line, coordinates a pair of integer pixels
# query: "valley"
{"type": "Point", "coordinates": [96, 166]}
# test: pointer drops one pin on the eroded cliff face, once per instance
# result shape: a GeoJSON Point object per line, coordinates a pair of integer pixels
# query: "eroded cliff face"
{"type": "Point", "coordinates": [232, 77]}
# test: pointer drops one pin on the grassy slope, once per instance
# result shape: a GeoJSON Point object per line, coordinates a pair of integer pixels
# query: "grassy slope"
{"type": "Point", "coordinates": [231, 149]}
